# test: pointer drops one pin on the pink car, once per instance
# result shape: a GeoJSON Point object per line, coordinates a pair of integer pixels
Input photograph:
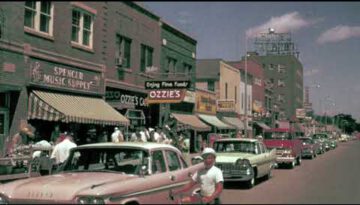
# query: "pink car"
{"type": "Point", "coordinates": [107, 173]}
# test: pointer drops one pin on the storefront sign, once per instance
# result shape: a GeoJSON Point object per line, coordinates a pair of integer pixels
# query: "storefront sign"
{"type": "Point", "coordinates": [157, 85]}
{"type": "Point", "coordinates": [226, 105]}
{"type": "Point", "coordinates": [125, 99]}
{"type": "Point", "coordinates": [205, 102]}
{"type": "Point", "coordinates": [166, 96]}
{"type": "Point", "coordinates": [55, 75]}
{"type": "Point", "coordinates": [189, 97]}
{"type": "Point", "coordinates": [257, 106]}
{"type": "Point", "coordinates": [300, 113]}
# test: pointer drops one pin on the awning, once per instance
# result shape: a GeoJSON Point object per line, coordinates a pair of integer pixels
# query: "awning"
{"type": "Point", "coordinates": [213, 120]}
{"type": "Point", "coordinates": [190, 122]}
{"type": "Point", "coordinates": [235, 122]}
{"type": "Point", "coordinates": [70, 108]}
{"type": "Point", "coordinates": [262, 125]}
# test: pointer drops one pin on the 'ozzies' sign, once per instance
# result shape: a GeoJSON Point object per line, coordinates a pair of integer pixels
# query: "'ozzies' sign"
{"type": "Point", "coordinates": [166, 96]}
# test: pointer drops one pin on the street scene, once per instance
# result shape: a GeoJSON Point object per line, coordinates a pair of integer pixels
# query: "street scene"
{"type": "Point", "coordinates": [179, 102]}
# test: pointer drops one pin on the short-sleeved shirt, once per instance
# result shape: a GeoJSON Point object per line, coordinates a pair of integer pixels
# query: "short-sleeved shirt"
{"type": "Point", "coordinates": [208, 178]}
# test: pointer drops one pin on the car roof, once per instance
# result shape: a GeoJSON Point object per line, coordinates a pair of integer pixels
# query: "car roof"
{"type": "Point", "coordinates": [237, 139]}
{"type": "Point", "coordinates": [143, 145]}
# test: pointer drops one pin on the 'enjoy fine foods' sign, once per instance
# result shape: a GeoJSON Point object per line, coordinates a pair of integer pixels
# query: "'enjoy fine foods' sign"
{"type": "Point", "coordinates": [55, 75]}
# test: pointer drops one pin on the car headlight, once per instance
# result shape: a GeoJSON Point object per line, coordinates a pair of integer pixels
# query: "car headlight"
{"type": "Point", "coordinates": [244, 163]}
{"type": "Point", "coordinates": [90, 200]}
{"type": "Point", "coordinates": [287, 151]}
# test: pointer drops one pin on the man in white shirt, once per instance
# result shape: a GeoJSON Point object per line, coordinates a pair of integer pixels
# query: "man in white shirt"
{"type": "Point", "coordinates": [61, 151]}
{"type": "Point", "coordinates": [210, 180]}
{"type": "Point", "coordinates": [117, 135]}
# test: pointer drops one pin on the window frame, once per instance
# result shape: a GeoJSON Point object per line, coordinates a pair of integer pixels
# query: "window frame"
{"type": "Point", "coordinates": [37, 18]}
{"type": "Point", "coordinates": [80, 32]}
{"type": "Point", "coordinates": [122, 43]}
{"type": "Point", "coordinates": [146, 52]}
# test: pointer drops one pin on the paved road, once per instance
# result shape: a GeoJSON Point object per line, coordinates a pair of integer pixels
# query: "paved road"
{"type": "Point", "coordinates": [333, 177]}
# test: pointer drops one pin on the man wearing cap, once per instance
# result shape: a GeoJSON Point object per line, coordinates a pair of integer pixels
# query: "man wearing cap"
{"type": "Point", "coordinates": [210, 179]}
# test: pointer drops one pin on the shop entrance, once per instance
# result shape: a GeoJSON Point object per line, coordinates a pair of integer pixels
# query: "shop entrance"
{"type": "Point", "coordinates": [4, 128]}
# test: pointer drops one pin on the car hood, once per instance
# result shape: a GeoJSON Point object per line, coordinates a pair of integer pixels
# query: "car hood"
{"type": "Point", "coordinates": [232, 157]}
{"type": "Point", "coordinates": [277, 143]}
{"type": "Point", "coordinates": [59, 187]}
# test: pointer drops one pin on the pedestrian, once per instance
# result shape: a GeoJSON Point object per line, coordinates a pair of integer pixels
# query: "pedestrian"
{"type": "Point", "coordinates": [24, 137]}
{"type": "Point", "coordinates": [143, 135]}
{"type": "Point", "coordinates": [61, 151]}
{"type": "Point", "coordinates": [210, 179]}
{"type": "Point", "coordinates": [117, 135]}
{"type": "Point", "coordinates": [55, 134]}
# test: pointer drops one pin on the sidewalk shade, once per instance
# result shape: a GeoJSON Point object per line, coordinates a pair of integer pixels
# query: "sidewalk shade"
{"type": "Point", "coordinates": [70, 108]}
{"type": "Point", "coordinates": [191, 122]}
{"type": "Point", "coordinates": [213, 120]}
{"type": "Point", "coordinates": [262, 125]}
{"type": "Point", "coordinates": [236, 122]}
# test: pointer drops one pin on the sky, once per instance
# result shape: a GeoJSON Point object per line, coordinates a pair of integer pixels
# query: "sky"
{"type": "Point", "coordinates": [327, 35]}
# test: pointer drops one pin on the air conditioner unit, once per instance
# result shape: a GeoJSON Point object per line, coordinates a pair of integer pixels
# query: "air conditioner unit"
{"type": "Point", "coordinates": [119, 61]}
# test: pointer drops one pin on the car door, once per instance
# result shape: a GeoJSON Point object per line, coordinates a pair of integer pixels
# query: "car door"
{"type": "Point", "coordinates": [269, 155]}
{"type": "Point", "coordinates": [261, 160]}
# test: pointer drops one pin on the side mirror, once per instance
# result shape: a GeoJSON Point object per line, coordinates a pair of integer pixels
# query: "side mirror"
{"type": "Point", "coordinates": [196, 160]}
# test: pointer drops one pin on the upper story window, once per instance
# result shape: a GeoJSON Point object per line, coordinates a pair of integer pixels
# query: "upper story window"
{"type": "Point", "coordinates": [146, 59]}
{"type": "Point", "coordinates": [257, 81]}
{"type": "Point", "coordinates": [281, 68]}
{"type": "Point", "coordinates": [39, 16]}
{"type": "Point", "coordinates": [123, 51]}
{"type": "Point", "coordinates": [281, 83]}
{"type": "Point", "coordinates": [211, 85]}
{"type": "Point", "coordinates": [226, 90]}
{"type": "Point", "coordinates": [170, 65]}
{"type": "Point", "coordinates": [187, 69]}
{"type": "Point", "coordinates": [82, 28]}
{"type": "Point", "coordinates": [2, 23]}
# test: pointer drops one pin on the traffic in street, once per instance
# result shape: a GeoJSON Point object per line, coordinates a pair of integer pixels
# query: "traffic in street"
{"type": "Point", "coordinates": [331, 178]}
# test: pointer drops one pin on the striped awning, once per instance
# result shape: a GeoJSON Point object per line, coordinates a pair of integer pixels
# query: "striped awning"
{"type": "Point", "coordinates": [186, 121]}
{"type": "Point", "coordinates": [214, 121]}
{"type": "Point", "coordinates": [69, 108]}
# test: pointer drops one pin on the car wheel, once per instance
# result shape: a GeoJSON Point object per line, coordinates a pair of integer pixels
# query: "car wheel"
{"type": "Point", "coordinates": [269, 175]}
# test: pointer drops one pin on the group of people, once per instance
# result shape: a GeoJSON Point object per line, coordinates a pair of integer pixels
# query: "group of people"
{"type": "Point", "coordinates": [160, 135]}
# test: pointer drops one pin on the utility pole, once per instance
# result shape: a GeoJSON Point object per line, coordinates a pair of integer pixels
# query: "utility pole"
{"type": "Point", "coordinates": [246, 97]}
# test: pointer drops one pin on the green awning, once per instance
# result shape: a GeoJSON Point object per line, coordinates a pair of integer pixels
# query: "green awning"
{"type": "Point", "coordinates": [214, 121]}
{"type": "Point", "coordinates": [70, 108]}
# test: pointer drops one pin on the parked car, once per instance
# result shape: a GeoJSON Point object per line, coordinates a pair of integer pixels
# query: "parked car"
{"type": "Point", "coordinates": [310, 148]}
{"type": "Point", "coordinates": [324, 139]}
{"type": "Point", "coordinates": [243, 159]}
{"type": "Point", "coordinates": [288, 147]}
{"type": "Point", "coordinates": [107, 173]}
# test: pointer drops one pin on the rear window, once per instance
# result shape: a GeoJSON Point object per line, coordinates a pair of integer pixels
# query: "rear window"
{"type": "Point", "coordinates": [278, 135]}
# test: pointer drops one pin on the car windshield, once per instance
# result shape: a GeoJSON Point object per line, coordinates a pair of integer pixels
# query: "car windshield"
{"type": "Point", "coordinates": [306, 140]}
{"type": "Point", "coordinates": [277, 135]}
{"type": "Point", "coordinates": [238, 146]}
{"type": "Point", "coordinates": [122, 160]}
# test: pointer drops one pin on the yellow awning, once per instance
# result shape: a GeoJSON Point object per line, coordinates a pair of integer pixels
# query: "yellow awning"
{"type": "Point", "coordinates": [191, 122]}
{"type": "Point", "coordinates": [71, 108]}
{"type": "Point", "coordinates": [214, 121]}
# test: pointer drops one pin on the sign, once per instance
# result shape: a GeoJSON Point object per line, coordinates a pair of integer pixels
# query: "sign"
{"type": "Point", "coordinates": [189, 97]}
{"type": "Point", "coordinates": [257, 106]}
{"type": "Point", "coordinates": [56, 75]}
{"type": "Point", "coordinates": [166, 96]}
{"type": "Point", "coordinates": [300, 113]}
{"type": "Point", "coordinates": [205, 102]}
{"type": "Point", "coordinates": [125, 99]}
{"type": "Point", "coordinates": [225, 105]}
{"type": "Point", "coordinates": [157, 85]}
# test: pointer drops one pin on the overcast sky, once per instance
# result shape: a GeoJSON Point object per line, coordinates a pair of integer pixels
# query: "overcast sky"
{"type": "Point", "coordinates": [327, 35]}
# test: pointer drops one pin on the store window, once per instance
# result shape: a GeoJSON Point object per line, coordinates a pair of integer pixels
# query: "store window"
{"type": "Point", "coordinates": [82, 28]}
{"type": "Point", "coordinates": [39, 16]}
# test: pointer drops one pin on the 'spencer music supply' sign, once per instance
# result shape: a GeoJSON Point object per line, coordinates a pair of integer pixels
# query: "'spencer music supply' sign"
{"type": "Point", "coordinates": [155, 85]}
{"type": "Point", "coordinates": [56, 75]}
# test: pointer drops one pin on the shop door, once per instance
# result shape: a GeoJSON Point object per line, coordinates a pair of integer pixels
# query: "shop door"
{"type": "Point", "coordinates": [4, 129]}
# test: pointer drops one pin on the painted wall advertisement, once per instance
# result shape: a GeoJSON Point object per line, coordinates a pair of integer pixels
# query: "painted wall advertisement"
{"type": "Point", "coordinates": [205, 102]}
{"type": "Point", "coordinates": [60, 76]}
{"type": "Point", "coordinates": [225, 105]}
{"type": "Point", "coordinates": [122, 99]}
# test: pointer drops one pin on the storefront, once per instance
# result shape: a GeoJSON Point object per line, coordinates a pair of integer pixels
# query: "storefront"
{"type": "Point", "coordinates": [134, 106]}
{"type": "Point", "coordinates": [70, 97]}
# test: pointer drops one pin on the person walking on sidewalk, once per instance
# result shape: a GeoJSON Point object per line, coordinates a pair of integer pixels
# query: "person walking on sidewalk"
{"type": "Point", "coordinates": [210, 179]}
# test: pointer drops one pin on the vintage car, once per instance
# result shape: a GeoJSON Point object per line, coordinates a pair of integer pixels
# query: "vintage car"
{"type": "Point", "coordinates": [310, 148]}
{"type": "Point", "coordinates": [243, 159]}
{"type": "Point", "coordinates": [323, 138]}
{"type": "Point", "coordinates": [107, 173]}
{"type": "Point", "coordinates": [288, 146]}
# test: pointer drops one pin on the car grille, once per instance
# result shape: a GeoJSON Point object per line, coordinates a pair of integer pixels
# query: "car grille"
{"type": "Point", "coordinates": [229, 168]}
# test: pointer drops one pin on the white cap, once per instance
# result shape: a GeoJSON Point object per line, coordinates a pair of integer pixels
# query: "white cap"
{"type": "Point", "coordinates": [116, 128]}
{"type": "Point", "coordinates": [151, 129]}
{"type": "Point", "coordinates": [207, 151]}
